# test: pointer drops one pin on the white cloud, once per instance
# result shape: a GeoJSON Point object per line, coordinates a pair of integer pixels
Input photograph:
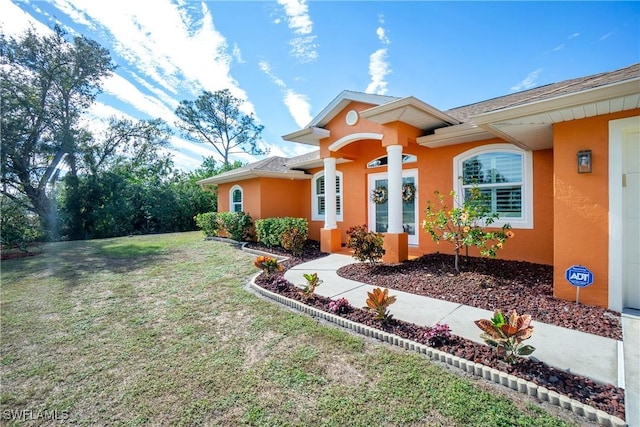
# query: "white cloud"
{"type": "Point", "coordinates": [237, 54]}
{"type": "Point", "coordinates": [379, 67]}
{"type": "Point", "coordinates": [606, 36]}
{"type": "Point", "coordinates": [528, 82]}
{"type": "Point", "coordinates": [265, 67]}
{"type": "Point", "coordinates": [574, 35]}
{"type": "Point", "coordinates": [378, 70]}
{"type": "Point", "coordinates": [299, 107]}
{"type": "Point", "coordinates": [302, 45]}
{"type": "Point", "coordinates": [297, 104]}
{"type": "Point", "coordinates": [16, 21]}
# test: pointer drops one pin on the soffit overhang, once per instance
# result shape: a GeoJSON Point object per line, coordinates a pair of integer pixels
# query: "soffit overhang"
{"type": "Point", "coordinates": [530, 126]}
{"type": "Point", "coordinates": [310, 135]}
{"type": "Point", "coordinates": [316, 163]}
{"type": "Point", "coordinates": [411, 111]}
{"type": "Point", "coordinates": [451, 135]}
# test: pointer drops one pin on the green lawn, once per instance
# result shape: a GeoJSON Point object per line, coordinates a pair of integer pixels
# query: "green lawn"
{"type": "Point", "coordinates": [160, 330]}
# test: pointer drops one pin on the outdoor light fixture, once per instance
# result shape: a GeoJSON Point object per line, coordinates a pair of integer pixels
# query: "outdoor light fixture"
{"type": "Point", "coordinates": [584, 161]}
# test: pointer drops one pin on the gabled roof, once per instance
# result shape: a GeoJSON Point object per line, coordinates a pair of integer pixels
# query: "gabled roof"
{"type": "Point", "coordinates": [271, 167]}
{"type": "Point", "coordinates": [314, 132]}
{"type": "Point", "coordinates": [342, 100]}
{"type": "Point", "coordinates": [548, 91]}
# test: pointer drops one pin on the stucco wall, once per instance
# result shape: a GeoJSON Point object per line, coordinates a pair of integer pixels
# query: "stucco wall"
{"type": "Point", "coordinates": [581, 206]}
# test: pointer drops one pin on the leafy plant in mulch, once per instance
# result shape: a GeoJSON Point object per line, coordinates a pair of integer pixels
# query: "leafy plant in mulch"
{"type": "Point", "coordinates": [293, 240]}
{"type": "Point", "coordinates": [366, 245]}
{"type": "Point", "coordinates": [506, 334]}
{"type": "Point", "coordinates": [313, 281]}
{"type": "Point", "coordinates": [378, 302]}
{"type": "Point", "coordinates": [437, 335]}
{"type": "Point", "coordinates": [605, 397]}
{"type": "Point", "coordinates": [340, 306]}
{"type": "Point", "coordinates": [267, 264]}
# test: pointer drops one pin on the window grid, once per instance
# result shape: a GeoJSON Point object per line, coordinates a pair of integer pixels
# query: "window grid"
{"type": "Point", "coordinates": [498, 175]}
{"type": "Point", "coordinates": [236, 199]}
{"type": "Point", "coordinates": [319, 195]}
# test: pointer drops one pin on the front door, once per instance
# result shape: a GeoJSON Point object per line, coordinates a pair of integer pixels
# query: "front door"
{"type": "Point", "coordinates": [631, 218]}
{"type": "Point", "coordinates": [379, 209]}
{"type": "Point", "coordinates": [624, 213]}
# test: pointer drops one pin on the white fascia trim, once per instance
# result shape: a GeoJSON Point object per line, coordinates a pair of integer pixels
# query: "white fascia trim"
{"type": "Point", "coordinates": [402, 103]}
{"type": "Point", "coordinates": [589, 96]}
{"type": "Point", "coordinates": [342, 100]}
{"type": "Point", "coordinates": [452, 135]}
{"type": "Point", "coordinates": [526, 222]}
{"type": "Point", "coordinates": [348, 139]}
{"type": "Point", "coordinates": [316, 163]}
{"type": "Point", "coordinates": [254, 174]}
{"type": "Point", "coordinates": [309, 135]}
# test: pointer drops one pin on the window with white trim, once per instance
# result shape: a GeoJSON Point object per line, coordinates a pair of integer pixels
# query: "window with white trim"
{"type": "Point", "coordinates": [235, 199]}
{"type": "Point", "coordinates": [503, 173]}
{"type": "Point", "coordinates": [317, 196]}
{"type": "Point", "coordinates": [383, 161]}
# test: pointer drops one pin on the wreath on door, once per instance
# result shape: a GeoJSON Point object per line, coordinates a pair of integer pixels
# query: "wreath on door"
{"type": "Point", "coordinates": [379, 195]}
{"type": "Point", "coordinates": [408, 192]}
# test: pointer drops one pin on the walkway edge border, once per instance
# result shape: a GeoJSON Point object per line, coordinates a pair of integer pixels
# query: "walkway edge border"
{"type": "Point", "coordinates": [518, 384]}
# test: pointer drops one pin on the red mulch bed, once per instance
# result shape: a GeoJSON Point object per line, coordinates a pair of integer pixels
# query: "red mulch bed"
{"type": "Point", "coordinates": [485, 284]}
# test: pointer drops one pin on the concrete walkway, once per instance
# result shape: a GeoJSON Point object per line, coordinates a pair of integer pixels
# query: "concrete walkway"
{"type": "Point", "coordinates": [596, 357]}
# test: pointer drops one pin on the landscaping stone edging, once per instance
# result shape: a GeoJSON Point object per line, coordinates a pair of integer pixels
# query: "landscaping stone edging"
{"type": "Point", "coordinates": [491, 374]}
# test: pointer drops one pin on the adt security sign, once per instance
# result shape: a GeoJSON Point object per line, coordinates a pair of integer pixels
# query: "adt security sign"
{"type": "Point", "coordinates": [579, 276]}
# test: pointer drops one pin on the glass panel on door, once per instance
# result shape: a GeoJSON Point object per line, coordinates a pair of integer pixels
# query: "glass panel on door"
{"type": "Point", "coordinates": [379, 212]}
{"type": "Point", "coordinates": [382, 209]}
{"type": "Point", "coordinates": [409, 211]}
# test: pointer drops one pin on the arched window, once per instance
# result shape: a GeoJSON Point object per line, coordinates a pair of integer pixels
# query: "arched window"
{"type": "Point", "coordinates": [317, 196]}
{"type": "Point", "coordinates": [382, 161]}
{"type": "Point", "coordinates": [235, 199]}
{"type": "Point", "coordinates": [503, 173]}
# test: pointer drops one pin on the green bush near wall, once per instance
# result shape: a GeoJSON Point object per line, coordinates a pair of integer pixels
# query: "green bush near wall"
{"type": "Point", "coordinates": [236, 225]}
{"type": "Point", "coordinates": [269, 231]}
{"type": "Point", "coordinates": [208, 222]}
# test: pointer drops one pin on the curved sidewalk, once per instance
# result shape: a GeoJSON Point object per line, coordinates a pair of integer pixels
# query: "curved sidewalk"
{"type": "Point", "coordinates": [580, 353]}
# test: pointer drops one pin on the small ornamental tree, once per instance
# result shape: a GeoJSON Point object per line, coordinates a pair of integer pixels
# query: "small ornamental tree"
{"type": "Point", "coordinates": [464, 226]}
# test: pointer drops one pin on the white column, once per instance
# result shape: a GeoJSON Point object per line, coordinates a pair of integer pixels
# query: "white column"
{"type": "Point", "coordinates": [394, 168]}
{"type": "Point", "coordinates": [330, 222]}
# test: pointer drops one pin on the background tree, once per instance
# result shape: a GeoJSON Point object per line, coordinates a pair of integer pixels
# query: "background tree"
{"type": "Point", "coordinates": [215, 118]}
{"type": "Point", "coordinates": [119, 176]}
{"type": "Point", "coordinates": [46, 83]}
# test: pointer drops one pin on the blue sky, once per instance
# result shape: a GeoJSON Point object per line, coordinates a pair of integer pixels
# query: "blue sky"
{"type": "Point", "coordinates": [288, 59]}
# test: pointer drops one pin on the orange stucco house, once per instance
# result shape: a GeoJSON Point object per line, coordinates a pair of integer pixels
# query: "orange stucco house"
{"type": "Point", "coordinates": [561, 164]}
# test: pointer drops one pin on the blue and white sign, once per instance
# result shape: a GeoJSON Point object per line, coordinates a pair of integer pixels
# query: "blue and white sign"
{"type": "Point", "coordinates": [579, 276]}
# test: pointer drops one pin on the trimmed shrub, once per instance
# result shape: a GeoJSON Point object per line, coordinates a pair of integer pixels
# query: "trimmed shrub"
{"type": "Point", "coordinates": [286, 232]}
{"type": "Point", "coordinates": [208, 222]}
{"type": "Point", "coordinates": [267, 231]}
{"type": "Point", "coordinates": [236, 224]}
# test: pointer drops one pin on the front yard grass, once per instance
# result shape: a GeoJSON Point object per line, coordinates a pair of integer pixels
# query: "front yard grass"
{"type": "Point", "coordinates": [160, 330]}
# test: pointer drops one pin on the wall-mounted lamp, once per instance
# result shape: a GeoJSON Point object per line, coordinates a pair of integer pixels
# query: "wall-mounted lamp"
{"type": "Point", "coordinates": [584, 161]}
